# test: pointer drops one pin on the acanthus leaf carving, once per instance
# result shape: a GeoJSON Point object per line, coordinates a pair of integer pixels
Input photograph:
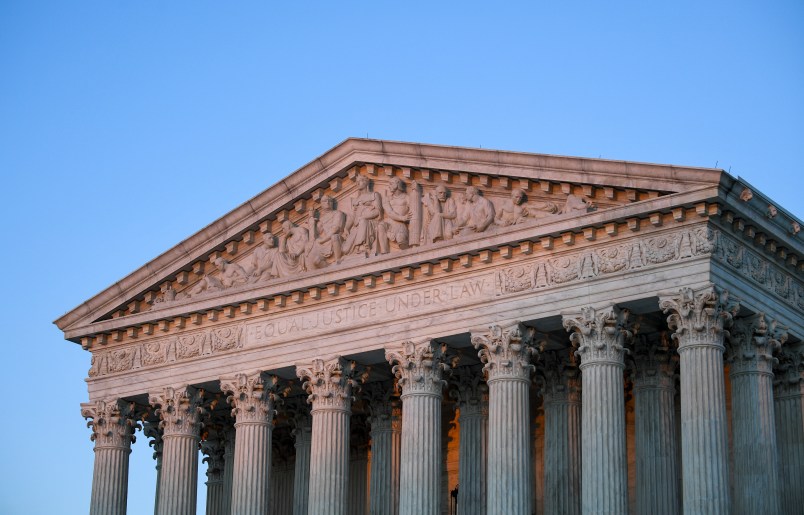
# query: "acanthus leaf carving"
{"type": "Point", "coordinates": [251, 396]}
{"type": "Point", "coordinates": [789, 371]}
{"type": "Point", "coordinates": [469, 389]}
{"type": "Point", "coordinates": [506, 352]}
{"type": "Point", "coordinates": [384, 405]}
{"type": "Point", "coordinates": [653, 360]}
{"type": "Point", "coordinates": [180, 410]}
{"type": "Point", "coordinates": [419, 366]}
{"type": "Point", "coordinates": [112, 421]}
{"type": "Point", "coordinates": [600, 335]}
{"type": "Point", "coordinates": [559, 376]}
{"type": "Point", "coordinates": [752, 343]}
{"type": "Point", "coordinates": [699, 317]}
{"type": "Point", "coordinates": [330, 383]}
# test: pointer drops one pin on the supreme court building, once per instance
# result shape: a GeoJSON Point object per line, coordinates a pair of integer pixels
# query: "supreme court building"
{"type": "Point", "coordinates": [401, 328]}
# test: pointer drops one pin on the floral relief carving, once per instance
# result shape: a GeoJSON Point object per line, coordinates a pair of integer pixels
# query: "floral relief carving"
{"type": "Point", "coordinates": [402, 215]}
{"type": "Point", "coordinates": [172, 348]}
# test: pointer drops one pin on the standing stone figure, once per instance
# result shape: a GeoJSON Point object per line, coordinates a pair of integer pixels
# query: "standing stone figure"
{"type": "Point", "coordinates": [398, 214]}
{"type": "Point", "coordinates": [441, 211]}
{"type": "Point", "coordinates": [362, 226]}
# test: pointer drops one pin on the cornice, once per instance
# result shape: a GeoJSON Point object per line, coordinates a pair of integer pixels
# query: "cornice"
{"type": "Point", "coordinates": [301, 184]}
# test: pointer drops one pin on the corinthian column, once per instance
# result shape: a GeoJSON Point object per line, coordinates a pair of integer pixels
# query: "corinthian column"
{"type": "Point", "coordinates": [599, 337]}
{"type": "Point", "coordinates": [179, 411]}
{"type": "Point", "coordinates": [506, 354]}
{"type": "Point", "coordinates": [329, 384]}
{"type": "Point", "coordinates": [562, 433]}
{"type": "Point", "coordinates": [751, 346]}
{"type": "Point", "coordinates": [252, 400]}
{"type": "Point", "coordinates": [472, 395]}
{"type": "Point", "coordinates": [228, 466]}
{"type": "Point", "coordinates": [789, 391]}
{"type": "Point", "coordinates": [112, 423]}
{"type": "Point", "coordinates": [698, 319]}
{"type": "Point", "coordinates": [302, 439]}
{"type": "Point", "coordinates": [154, 434]}
{"type": "Point", "coordinates": [213, 448]}
{"type": "Point", "coordinates": [418, 368]}
{"type": "Point", "coordinates": [385, 418]}
{"type": "Point", "coordinates": [655, 420]}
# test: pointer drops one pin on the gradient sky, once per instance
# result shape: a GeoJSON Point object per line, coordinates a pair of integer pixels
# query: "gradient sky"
{"type": "Point", "coordinates": [127, 126]}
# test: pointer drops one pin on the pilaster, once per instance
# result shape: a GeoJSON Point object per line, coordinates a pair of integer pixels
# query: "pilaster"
{"type": "Point", "coordinates": [418, 368]}
{"type": "Point", "coordinates": [654, 370]}
{"type": "Point", "coordinates": [789, 408]}
{"type": "Point", "coordinates": [329, 385]}
{"type": "Point", "coordinates": [385, 418]}
{"type": "Point", "coordinates": [506, 354]}
{"type": "Point", "coordinates": [112, 423]}
{"type": "Point", "coordinates": [252, 399]}
{"type": "Point", "coordinates": [179, 411]}
{"type": "Point", "coordinates": [600, 337]}
{"type": "Point", "coordinates": [698, 319]}
{"type": "Point", "coordinates": [562, 432]}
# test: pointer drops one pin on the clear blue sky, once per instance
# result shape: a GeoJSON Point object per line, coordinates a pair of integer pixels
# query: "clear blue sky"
{"type": "Point", "coordinates": [127, 126]}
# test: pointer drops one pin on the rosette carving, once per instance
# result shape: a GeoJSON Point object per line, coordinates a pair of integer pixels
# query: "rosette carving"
{"type": "Point", "coordinates": [699, 317]}
{"type": "Point", "coordinates": [599, 335]}
{"type": "Point", "coordinates": [252, 397]}
{"type": "Point", "coordinates": [506, 352]}
{"type": "Point", "coordinates": [752, 342]}
{"type": "Point", "coordinates": [112, 422]}
{"type": "Point", "coordinates": [418, 366]}
{"type": "Point", "coordinates": [179, 410]}
{"type": "Point", "coordinates": [329, 384]}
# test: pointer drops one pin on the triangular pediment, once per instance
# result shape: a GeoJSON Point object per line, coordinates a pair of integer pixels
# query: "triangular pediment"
{"type": "Point", "coordinates": [369, 201]}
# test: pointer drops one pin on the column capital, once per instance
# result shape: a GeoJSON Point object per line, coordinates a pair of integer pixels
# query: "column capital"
{"type": "Point", "coordinates": [789, 371]}
{"type": "Point", "coordinates": [600, 335]}
{"type": "Point", "coordinates": [561, 376]}
{"type": "Point", "coordinates": [699, 317]}
{"type": "Point", "coordinates": [751, 344]}
{"type": "Point", "coordinates": [179, 410]}
{"type": "Point", "coordinates": [418, 366]}
{"type": "Point", "coordinates": [252, 396]}
{"type": "Point", "coordinates": [653, 361]}
{"type": "Point", "coordinates": [329, 383]}
{"type": "Point", "coordinates": [470, 391]}
{"type": "Point", "coordinates": [213, 448]}
{"type": "Point", "coordinates": [506, 351]}
{"type": "Point", "coordinates": [385, 407]}
{"type": "Point", "coordinates": [112, 422]}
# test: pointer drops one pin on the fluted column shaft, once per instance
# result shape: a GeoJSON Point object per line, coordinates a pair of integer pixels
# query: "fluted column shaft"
{"type": "Point", "coordinates": [698, 319]}
{"type": "Point", "coordinates": [600, 336]}
{"type": "Point", "coordinates": [252, 400]}
{"type": "Point", "coordinates": [213, 448]}
{"type": "Point", "coordinates": [152, 431]}
{"type": "Point", "coordinates": [112, 425]}
{"type": "Point", "coordinates": [506, 354]}
{"type": "Point", "coordinates": [750, 354]}
{"type": "Point", "coordinates": [301, 479]}
{"type": "Point", "coordinates": [228, 470]}
{"type": "Point", "coordinates": [789, 408]}
{"type": "Point", "coordinates": [418, 368]}
{"type": "Point", "coordinates": [562, 435]}
{"type": "Point", "coordinates": [180, 413]}
{"type": "Point", "coordinates": [655, 431]}
{"type": "Point", "coordinates": [473, 456]}
{"type": "Point", "coordinates": [386, 441]}
{"type": "Point", "coordinates": [215, 496]}
{"type": "Point", "coordinates": [358, 482]}
{"type": "Point", "coordinates": [329, 384]}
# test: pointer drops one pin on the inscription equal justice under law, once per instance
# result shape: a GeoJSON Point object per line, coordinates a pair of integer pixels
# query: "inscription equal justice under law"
{"type": "Point", "coordinates": [372, 311]}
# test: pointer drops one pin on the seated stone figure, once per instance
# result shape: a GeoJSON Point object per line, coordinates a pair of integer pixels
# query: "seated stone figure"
{"type": "Point", "coordinates": [479, 213]}
{"type": "Point", "coordinates": [262, 262]}
{"type": "Point", "coordinates": [327, 235]}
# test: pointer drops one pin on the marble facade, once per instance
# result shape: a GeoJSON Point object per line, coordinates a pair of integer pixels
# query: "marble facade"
{"type": "Point", "coordinates": [413, 329]}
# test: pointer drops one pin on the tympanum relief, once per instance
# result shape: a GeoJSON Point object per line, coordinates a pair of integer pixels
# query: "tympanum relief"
{"type": "Point", "coordinates": [376, 217]}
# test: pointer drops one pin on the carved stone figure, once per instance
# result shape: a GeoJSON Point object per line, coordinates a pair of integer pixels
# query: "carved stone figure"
{"type": "Point", "coordinates": [398, 213]}
{"type": "Point", "coordinates": [479, 213]}
{"type": "Point", "coordinates": [262, 264]}
{"type": "Point", "coordinates": [576, 205]}
{"type": "Point", "coordinates": [207, 284]}
{"type": "Point", "coordinates": [362, 225]}
{"type": "Point", "coordinates": [327, 235]}
{"type": "Point", "coordinates": [441, 211]}
{"type": "Point", "coordinates": [292, 246]}
{"type": "Point", "coordinates": [513, 211]}
{"type": "Point", "coordinates": [232, 274]}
